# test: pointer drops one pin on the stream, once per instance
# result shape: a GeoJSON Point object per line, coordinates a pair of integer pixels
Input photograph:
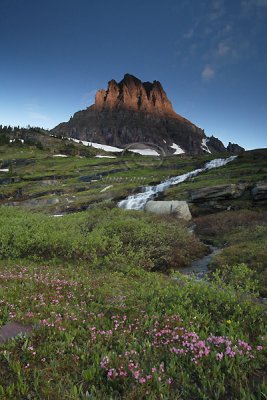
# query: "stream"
{"type": "Point", "coordinates": [139, 200]}
{"type": "Point", "coordinates": [199, 268]}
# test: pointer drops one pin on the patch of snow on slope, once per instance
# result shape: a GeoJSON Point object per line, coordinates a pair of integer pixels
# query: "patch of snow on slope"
{"type": "Point", "coordinates": [106, 188]}
{"type": "Point", "coordinates": [4, 170]}
{"type": "Point", "coordinates": [101, 156]}
{"type": "Point", "coordinates": [13, 140]}
{"type": "Point", "coordinates": [178, 149]}
{"type": "Point", "coordinates": [111, 149]}
{"type": "Point", "coordinates": [145, 152]}
{"type": "Point", "coordinates": [60, 155]}
{"type": "Point", "coordinates": [204, 145]}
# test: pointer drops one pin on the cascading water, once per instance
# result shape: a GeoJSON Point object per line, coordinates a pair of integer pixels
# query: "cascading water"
{"type": "Point", "coordinates": [138, 201]}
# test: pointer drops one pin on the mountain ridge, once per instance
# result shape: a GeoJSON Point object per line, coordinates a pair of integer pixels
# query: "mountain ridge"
{"type": "Point", "coordinates": [132, 111]}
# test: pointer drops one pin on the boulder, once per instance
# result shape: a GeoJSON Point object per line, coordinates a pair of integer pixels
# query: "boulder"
{"type": "Point", "coordinates": [179, 208]}
{"type": "Point", "coordinates": [259, 192]}
{"type": "Point", "coordinates": [13, 329]}
{"type": "Point", "coordinates": [220, 192]}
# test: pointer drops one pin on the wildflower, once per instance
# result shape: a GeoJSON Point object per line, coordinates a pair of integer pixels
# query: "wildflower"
{"type": "Point", "coordinates": [142, 380]}
{"type": "Point", "coordinates": [219, 356]}
{"type": "Point", "coordinates": [229, 321]}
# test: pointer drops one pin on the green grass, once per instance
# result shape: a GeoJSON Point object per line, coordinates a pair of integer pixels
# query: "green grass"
{"type": "Point", "coordinates": [93, 325]}
{"type": "Point", "coordinates": [249, 167]}
{"type": "Point", "coordinates": [242, 234]}
{"type": "Point", "coordinates": [113, 318]}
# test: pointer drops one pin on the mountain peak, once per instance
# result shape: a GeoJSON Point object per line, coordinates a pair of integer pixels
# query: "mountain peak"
{"type": "Point", "coordinates": [132, 111]}
{"type": "Point", "coordinates": [133, 94]}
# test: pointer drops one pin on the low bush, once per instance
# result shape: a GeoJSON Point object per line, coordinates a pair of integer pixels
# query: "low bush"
{"type": "Point", "coordinates": [115, 239]}
{"type": "Point", "coordinates": [243, 236]}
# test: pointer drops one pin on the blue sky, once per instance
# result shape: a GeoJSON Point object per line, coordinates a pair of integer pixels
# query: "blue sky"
{"type": "Point", "coordinates": [209, 55]}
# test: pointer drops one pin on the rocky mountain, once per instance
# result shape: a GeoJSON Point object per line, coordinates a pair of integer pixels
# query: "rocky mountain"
{"type": "Point", "coordinates": [133, 111]}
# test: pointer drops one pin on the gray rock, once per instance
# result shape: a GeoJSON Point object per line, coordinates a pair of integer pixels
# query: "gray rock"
{"type": "Point", "coordinates": [179, 208]}
{"type": "Point", "coordinates": [13, 329]}
{"type": "Point", "coordinates": [220, 192]}
{"type": "Point", "coordinates": [259, 192]}
{"type": "Point", "coordinates": [36, 202]}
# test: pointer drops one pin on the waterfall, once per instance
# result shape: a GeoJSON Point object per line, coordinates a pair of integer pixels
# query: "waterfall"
{"type": "Point", "coordinates": [138, 201]}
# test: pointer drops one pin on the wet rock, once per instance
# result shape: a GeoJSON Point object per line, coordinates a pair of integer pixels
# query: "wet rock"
{"type": "Point", "coordinates": [179, 208]}
{"type": "Point", "coordinates": [8, 181]}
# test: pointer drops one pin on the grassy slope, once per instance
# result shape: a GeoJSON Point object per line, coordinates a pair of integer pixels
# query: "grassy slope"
{"type": "Point", "coordinates": [108, 327]}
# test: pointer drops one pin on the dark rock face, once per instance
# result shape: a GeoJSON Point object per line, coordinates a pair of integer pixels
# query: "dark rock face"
{"type": "Point", "coordinates": [234, 148]}
{"type": "Point", "coordinates": [259, 192]}
{"type": "Point", "coordinates": [215, 145]}
{"type": "Point", "coordinates": [219, 192]}
{"type": "Point", "coordinates": [133, 111]}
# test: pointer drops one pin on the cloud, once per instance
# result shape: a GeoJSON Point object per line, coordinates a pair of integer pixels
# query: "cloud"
{"type": "Point", "coordinates": [223, 49]}
{"type": "Point", "coordinates": [217, 10]}
{"type": "Point", "coordinates": [260, 3]}
{"type": "Point", "coordinates": [208, 73]}
{"type": "Point", "coordinates": [253, 3]}
{"type": "Point", "coordinates": [189, 34]}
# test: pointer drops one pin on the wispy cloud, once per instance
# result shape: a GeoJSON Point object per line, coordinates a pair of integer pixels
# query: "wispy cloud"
{"type": "Point", "coordinates": [223, 49]}
{"type": "Point", "coordinates": [189, 34]}
{"type": "Point", "coordinates": [208, 73]}
{"type": "Point", "coordinates": [253, 3]}
{"type": "Point", "coordinates": [217, 10]}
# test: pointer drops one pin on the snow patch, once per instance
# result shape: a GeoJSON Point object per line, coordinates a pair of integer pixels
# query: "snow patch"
{"type": "Point", "coordinates": [145, 152]}
{"type": "Point", "coordinates": [106, 188]}
{"type": "Point", "coordinates": [178, 149]}
{"type": "Point", "coordinates": [4, 169]}
{"type": "Point", "coordinates": [101, 156]}
{"type": "Point", "coordinates": [13, 140]}
{"type": "Point", "coordinates": [111, 149]}
{"type": "Point", "coordinates": [59, 155]}
{"type": "Point", "coordinates": [204, 145]}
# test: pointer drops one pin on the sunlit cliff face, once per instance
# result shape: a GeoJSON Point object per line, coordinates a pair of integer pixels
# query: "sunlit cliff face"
{"type": "Point", "coordinates": [132, 94]}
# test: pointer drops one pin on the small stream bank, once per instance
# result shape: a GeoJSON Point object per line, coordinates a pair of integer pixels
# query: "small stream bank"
{"type": "Point", "coordinates": [199, 268]}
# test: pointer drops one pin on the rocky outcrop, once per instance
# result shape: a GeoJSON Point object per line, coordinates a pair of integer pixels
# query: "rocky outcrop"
{"type": "Point", "coordinates": [179, 208]}
{"type": "Point", "coordinates": [133, 111]}
{"type": "Point", "coordinates": [215, 145]}
{"type": "Point", "coordinates": [219, 192]}
{"type": "Point", "coordinates": [132, 94]}
{"type": "Point", "coordinates": [234, 148]}
{"type": "Point", "coordinates": [259, 192]}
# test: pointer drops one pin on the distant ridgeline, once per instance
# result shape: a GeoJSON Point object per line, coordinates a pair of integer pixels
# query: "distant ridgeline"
{"type": "Point", "coordinates": [133, 111]}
